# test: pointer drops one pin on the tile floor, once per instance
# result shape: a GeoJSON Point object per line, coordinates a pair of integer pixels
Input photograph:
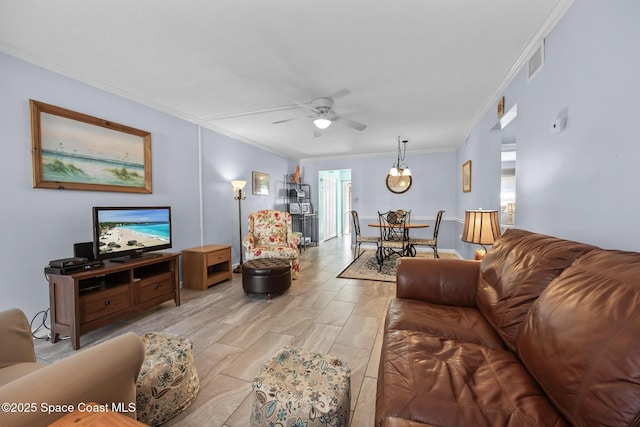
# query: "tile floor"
{"type": "Point", "coordinates": [234, 334]}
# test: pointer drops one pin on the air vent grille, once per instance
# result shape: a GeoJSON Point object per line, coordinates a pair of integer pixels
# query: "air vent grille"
{"type": "Point", "coordinates": [536, 62]}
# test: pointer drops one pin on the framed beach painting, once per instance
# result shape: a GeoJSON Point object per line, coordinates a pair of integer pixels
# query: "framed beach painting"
{"type": "Point", "coordinates": [260, 183]}
{"type": "Point", "coordinates": [74, 151]}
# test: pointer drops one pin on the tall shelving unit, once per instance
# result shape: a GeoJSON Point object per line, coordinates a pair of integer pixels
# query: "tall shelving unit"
{"type": "Point", "coordinates": [303, 217]}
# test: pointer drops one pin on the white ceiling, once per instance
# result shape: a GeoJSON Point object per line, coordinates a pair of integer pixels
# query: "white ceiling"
{"type": "Point", "coordinates": [422, 69]}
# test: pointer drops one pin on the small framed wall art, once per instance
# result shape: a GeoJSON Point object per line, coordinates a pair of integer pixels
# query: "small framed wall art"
{"type": "Point", "coordinates": [500, 107]}
{"type": "Point", "coordinates": [74, 151]}
{"type": "Point", "coordinates": [466, 177]}
{"type": "Point", "coordinates": [260, 183]}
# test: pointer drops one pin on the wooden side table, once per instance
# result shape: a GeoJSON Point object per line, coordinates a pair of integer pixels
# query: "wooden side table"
{"type": "Point", "coordinates": [205, 266]}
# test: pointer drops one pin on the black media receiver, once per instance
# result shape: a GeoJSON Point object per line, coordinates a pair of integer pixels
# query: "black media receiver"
{"type": "Point", "coordinates": [90, 265]}
{"type": "Point", "coordinates": [67, 262]}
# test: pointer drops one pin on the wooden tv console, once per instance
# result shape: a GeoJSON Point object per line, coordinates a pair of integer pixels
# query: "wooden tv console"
{"type": "Point", "coordinates": [83, 301]}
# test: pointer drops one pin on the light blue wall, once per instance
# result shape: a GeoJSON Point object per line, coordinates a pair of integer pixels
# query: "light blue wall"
{"type": "Point", "coordinates": [225, 159]}
{"type": "Point", "coordinates": [38, 225]}
{"type": "Point", "coordinates": [434, 179]}
{"type": "Point", "coordinates": [581, 184]}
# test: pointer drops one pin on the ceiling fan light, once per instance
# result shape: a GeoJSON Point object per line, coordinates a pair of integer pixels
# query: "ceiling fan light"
{"type": "Point", "coordinates": [394, 171]}
{"type": "Point", "coordinates": [322, 123]}
{"type": "Point", "coordinates": [406, 172]}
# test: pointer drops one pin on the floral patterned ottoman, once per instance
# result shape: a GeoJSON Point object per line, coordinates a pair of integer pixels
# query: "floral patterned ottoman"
{"type": "Point", "coordinates": [168, 381]}
{"type": "Point", "coordinates": [300, 388]}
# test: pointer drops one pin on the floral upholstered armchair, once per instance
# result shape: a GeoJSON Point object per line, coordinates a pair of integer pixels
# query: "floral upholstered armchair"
{"type": "Point", "coordinates": [270, 236]}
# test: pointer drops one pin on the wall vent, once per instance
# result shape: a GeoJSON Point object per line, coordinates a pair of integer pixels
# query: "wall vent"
{"type": "Point", "coordinates": [536, 62]}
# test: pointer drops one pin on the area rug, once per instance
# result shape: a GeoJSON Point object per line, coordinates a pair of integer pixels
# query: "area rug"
{"type": "Point", "coordinates": [366, 266]}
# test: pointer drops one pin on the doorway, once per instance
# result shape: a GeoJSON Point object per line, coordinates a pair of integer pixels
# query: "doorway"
{"type": "Point", "coordinates": [330, 199]}
{"type": "Point", "coordinates": [508, 168]}
{"type": "Point", "coordinates": [334, 191]}
{"type": "Point", "coordinates": [346, 211]}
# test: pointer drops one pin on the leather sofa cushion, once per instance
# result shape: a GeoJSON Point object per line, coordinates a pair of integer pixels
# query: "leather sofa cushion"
{"type": "Point", "coordinates": [401, 422]}
{"type": "Point", "coordinates": [582, 339]}
{"type": "Point", "coordinates": [439, 281]}
{"type": "Point", "coordinates": [453, 323]}
{"type": "Point", "coordinates": [515, 271]}
{"type": "Point", "coordinates": [445, 383]}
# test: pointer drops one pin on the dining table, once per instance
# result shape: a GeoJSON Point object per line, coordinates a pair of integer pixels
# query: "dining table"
{"type": "Point", "coordinates": [406, 226]}
{"type": "Point", "coordinates": [410, 250]}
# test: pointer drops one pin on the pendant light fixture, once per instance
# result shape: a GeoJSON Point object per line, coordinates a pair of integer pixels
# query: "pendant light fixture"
{"type": "Point", "coordinates": [400, 168]}
{"type": "Point", "coordinates": [399, 178]}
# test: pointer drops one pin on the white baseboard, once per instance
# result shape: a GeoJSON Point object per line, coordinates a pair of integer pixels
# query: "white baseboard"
{"type": "Point", "coordinates": [371, 246]}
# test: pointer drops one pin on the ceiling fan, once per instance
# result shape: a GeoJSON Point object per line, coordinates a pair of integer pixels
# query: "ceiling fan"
{"type": "Point", "coordinates": [324, 116]}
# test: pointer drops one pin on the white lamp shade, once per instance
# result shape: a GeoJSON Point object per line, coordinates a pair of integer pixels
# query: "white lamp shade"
{"type": "Point", "coordinates": [322, 123]}
{"type": "Point", "coordinates": [238, 184]}
{"type": "Point", "coordinates": [481, 227]}
{"type": "Point", "coordinates": [393, 171]}
{"type": "Point", "coordinates": [406, 172]}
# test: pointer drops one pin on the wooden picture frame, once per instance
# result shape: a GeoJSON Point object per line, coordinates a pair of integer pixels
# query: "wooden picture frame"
{"type": "Point", "coordinates": [260, 183]}
{"type": "Point", "coordinates": [74, 151]}
{"type": "Point", "coordinates": [500, 107]}
{"type": "Point", "coordinates": [466, 177]}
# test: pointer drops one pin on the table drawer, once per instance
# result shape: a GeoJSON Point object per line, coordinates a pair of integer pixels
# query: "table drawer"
{"type": "Point", "coordinates": [149, 290]}
{"type": "Point", "coordinates": [95, 305]}
{"type": "Point", "coordinates": [218, 257]}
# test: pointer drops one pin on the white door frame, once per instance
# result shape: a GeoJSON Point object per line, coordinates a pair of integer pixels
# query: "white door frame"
{"type": "Point", "coordinates": [329, 198]}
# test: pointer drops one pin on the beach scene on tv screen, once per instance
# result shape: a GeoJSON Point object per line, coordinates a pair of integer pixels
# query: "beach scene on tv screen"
{"type": "Point", "coordinates": [122, 230]}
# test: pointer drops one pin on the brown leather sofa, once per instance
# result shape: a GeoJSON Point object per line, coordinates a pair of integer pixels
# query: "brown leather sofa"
{"type": "Point", "coordinates": [543, 332]}
{"type": "Point", "coordinates": [35, 394]}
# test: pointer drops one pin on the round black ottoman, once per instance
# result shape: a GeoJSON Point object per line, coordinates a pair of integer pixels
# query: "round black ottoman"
{"type": "Point", "coordinates": [266, 276]}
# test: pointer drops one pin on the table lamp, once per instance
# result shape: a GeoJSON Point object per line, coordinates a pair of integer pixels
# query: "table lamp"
{"type": "Point", "coordinates": [482, 228]}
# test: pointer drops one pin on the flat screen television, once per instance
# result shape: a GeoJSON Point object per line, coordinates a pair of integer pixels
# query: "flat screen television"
{"type": "Point", "coordinates": [121, 234]}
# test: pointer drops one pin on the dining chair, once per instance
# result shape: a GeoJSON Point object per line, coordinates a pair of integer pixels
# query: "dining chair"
{"type": "Point", "coordinates": [360, 238]}
{"type": "Point", "coordinates": [394, 238]}
{"type": "Point", "coordinates": [407, 217]}
{"type": "Point", "coordinates": [432, 243]}
{"type": "Point", "coordinates": [397, 217]}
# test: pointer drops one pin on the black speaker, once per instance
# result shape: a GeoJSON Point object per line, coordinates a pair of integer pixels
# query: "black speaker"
{"type": "Point", "coordinates": [83, 250]}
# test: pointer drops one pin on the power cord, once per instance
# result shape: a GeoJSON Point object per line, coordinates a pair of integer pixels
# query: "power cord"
{"type": "Point", "coordinates": [45, 316]}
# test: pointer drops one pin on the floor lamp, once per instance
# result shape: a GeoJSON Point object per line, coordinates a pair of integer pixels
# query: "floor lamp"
{"type": "Point", "coordinates": [239, 195]}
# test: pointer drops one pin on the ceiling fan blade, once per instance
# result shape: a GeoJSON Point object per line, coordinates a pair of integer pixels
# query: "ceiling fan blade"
{"type": "Point", "coordinates": [292, 119]}
{"type": "Point", "coordinates": [339, 94]}
{"type": "Point", "coordinates": [351, 123]}
{"type": "Point", "coordinates": [306, 106]}
{"type": "Point", "coordinates": [296, 104]}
